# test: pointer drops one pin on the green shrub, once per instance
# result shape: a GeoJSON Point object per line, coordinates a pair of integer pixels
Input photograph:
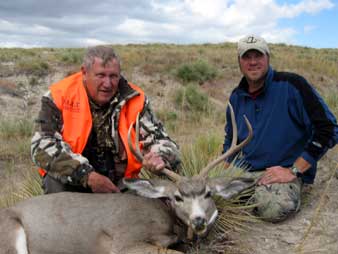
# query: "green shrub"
{"type": "Point", "coordinates": [190, 99]}
{"type": "Point", "coordinates": [33, 67]}
{"type": "Point", "coordinates": [72, 56]}
{"type": "Point", "coordinates": [199, 71]}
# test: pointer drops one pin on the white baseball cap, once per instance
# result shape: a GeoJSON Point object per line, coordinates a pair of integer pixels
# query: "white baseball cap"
{"type": "Point", "coordinates": [252, 42]}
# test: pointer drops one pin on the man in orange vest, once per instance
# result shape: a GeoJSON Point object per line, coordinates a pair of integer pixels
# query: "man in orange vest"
{"type": "Point", "coordinates": [80, 143]}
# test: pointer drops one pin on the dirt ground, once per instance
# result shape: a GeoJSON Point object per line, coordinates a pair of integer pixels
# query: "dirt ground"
{"type": "Point", "coordinates": [313, 230]}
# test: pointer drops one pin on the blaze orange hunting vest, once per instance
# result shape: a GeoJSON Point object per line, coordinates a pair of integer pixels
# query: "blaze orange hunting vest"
{"type": "Point", "coordinates": [71, 98]}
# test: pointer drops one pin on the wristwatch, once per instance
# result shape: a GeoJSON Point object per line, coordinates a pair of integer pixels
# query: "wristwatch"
{"type": "Point", "coordinates": [296, 171]}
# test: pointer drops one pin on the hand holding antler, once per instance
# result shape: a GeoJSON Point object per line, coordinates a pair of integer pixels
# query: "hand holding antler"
{"type": "Point", "coordinates": [153, 162]}
{"type": "Point", "coordinates": [146, 162]}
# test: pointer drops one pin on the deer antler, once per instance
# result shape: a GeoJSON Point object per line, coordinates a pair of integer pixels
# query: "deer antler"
{"type": "Point", "coordinates": [233, 148]}
{"type": "Point", "coordinates": [137, 153]}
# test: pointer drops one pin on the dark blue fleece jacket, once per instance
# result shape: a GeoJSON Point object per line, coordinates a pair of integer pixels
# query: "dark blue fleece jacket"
{"type": "Point", "coordinates": [289, 119]}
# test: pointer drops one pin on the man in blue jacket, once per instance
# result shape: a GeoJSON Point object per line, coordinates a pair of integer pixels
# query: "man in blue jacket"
{"type": "Point", "coordinates": [293, 128]}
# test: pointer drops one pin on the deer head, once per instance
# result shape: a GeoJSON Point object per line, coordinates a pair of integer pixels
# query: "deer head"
{"type": "Point", "coordinates": [191, 197]}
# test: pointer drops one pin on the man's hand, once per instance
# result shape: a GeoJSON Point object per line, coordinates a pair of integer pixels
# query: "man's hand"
{"type": "Point", "coordinates": [153, 162]}
{"type": "Point", "coordinates": [226, 165]}
{"type": "Point", "coordinates": [276, 174]}
{"type": "Point", "coordinates": [100, 183]}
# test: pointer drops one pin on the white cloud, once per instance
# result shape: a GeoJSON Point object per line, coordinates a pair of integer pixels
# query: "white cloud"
{"type": "Point", "coordinates": [312, 6]}
{"type": "Point", "coordinates": [306, 6]}
{"type": "Point", "coordinates": [7, 26]}
{"type": "Point", "coordinates": [12, 44]}
{"type": "Point", "coordinates": [127, 21]}
{"type": "Point", "coordinates": [206, 9]}
{"type": "Point", "coordinates": [39, 29]}
{"type": "Point", "coordinates": [134, 27]}
{"type": "Point", "coordinates": [92, 42]}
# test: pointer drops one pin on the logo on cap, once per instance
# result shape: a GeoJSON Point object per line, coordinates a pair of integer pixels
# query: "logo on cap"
{"type": "Point", "coordinates": [251, 39]}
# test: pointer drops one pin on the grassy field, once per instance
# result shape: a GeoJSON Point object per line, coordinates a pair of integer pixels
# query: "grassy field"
{"type": "Point", "coordinates": [188, 85]}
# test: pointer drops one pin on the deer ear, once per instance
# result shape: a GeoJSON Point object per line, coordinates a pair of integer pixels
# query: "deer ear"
{"type": "Point", "coordinates": [228, 189]}
{"type": "Point", "coordinates": [147, 188]}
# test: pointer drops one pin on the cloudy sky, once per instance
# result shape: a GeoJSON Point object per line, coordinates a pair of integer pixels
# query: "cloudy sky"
{"type": "Point", "coordinates": [80, 23]}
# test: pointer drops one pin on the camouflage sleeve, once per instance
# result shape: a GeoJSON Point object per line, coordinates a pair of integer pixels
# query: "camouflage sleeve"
{"type": "Point", "coordinates": [50, 152]}
{"type": "Point", "coordinates": [155, 139]}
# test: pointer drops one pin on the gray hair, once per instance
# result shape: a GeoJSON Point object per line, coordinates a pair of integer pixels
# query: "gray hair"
{"type": "Point", "coordinates": [104, 52]}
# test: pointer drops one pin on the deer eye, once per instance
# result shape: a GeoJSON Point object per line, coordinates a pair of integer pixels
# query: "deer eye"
{"type": "Point", "coordinates": [178, 198]}
{"type": "Point", "coordinates": [208, 195]}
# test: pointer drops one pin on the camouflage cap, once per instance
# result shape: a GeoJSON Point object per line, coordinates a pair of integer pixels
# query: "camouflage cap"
{"type": "Point", "coordinates": [252, 42]}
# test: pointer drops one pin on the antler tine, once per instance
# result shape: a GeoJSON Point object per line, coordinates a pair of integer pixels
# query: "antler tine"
{"type": "Point", "coordinates": [233, 148]}
{"type": "Point", "coordinates": [137, 153]}
{"type": "Point", "coordinates": [234, 126]}
{"type": "Point", "coordinates": [171, 174]}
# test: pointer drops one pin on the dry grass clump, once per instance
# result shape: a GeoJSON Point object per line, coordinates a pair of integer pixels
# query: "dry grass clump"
{"type": "Point", "coordinates": [18, 127]}
{"type": "Point", "coordinates": [30, 187]}
{"type": "Point", "coordinates": [331, 98]}
{"type": "Point", "coordinates": [15, 162]}
{"type": "Point", "coordinates": [8, 87]}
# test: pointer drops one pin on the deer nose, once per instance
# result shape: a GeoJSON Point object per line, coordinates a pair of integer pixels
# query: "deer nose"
{"type": "Point", "coordinates": [199, 223]}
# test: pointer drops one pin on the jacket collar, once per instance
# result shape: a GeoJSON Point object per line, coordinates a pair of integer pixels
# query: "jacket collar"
{"type": "Point", "coordinates": [243, 84]}
{"type": "Point", "coordinates": [125, 90]}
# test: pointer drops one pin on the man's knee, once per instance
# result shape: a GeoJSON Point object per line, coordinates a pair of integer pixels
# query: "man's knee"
{"type": "Point", "coordinates": [277, 202]}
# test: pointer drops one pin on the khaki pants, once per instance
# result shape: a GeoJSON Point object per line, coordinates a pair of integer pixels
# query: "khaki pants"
{"type": "Point", "coordinates": [276, 202]}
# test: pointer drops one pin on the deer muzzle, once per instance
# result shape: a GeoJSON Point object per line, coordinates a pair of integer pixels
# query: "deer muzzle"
{"type": "Point", "coordinates": [199, 225]}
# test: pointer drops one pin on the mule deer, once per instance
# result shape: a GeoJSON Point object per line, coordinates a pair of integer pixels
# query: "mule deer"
{"type": "Point", "coordinates": [69, 223]}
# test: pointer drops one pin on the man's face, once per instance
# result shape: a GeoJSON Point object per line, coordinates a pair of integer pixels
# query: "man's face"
{"type": "Point", "coordinates": [101, 81]}
{"type": "Point", "coordinates": [254, 65]}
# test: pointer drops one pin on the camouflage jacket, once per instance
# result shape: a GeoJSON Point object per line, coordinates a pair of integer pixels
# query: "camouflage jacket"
{"type": "Point", "coordinates": [50, 152]}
